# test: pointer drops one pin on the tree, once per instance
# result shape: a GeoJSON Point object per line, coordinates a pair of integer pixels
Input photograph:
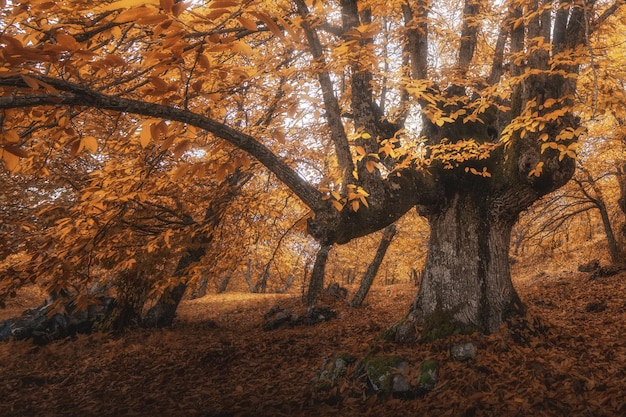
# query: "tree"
{"type": "Point", "coordinates": [490, 87]}
{"type": "Point", "coordinates": [372, 269]}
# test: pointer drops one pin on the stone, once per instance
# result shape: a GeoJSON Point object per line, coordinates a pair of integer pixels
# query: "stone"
{"type": "Point", "coordinates": [333, 368]}
{"type": "Point", "coordinates": [34, 322]}
{"type": "Point", "coordinates": [595, 306]}
{"type": "Point", "coordinates": [278, 317]}
{"type": "Point", "coordinates": [391, 376]}
{"type": "Point", "coordinates": [429, 376]}
{"type": "Point", "coordinates": [463, 351]}
{"type": "Point", "coordinates": [589, 266]}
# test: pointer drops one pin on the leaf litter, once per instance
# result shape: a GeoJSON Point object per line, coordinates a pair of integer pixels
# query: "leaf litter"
{"type": "Point", "coordinates": [562, 360]}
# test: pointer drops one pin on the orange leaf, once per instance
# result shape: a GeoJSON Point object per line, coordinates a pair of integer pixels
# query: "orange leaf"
{"type": "Point", "coordinates": [167, 5]}
{"type": "Point", "coordinates": [11, 136]}
{"type": "Point", "coordinates": [178, 8]}
{"type": "Point", "coordinates": [132, 14]}
{"type": "Point", "coordinates": [180, 149]}
{"type": "Point", "coordinates": [91, 144]}
{"type": "Point", "coordinates": [32, 83]}
{"type": "Point", "coordinates": [17, 151]}
{"type": "Point", "coordinates": [269, 22]}
{"type": "Point", "coordinates": [247, 23]}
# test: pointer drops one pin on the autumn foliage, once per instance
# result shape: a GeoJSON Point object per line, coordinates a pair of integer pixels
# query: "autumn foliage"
{"type": "Point", "coordinates": [159, 150]}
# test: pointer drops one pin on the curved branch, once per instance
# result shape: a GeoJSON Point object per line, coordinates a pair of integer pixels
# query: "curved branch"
{"type": "Point", "coordinates": [71, 94]}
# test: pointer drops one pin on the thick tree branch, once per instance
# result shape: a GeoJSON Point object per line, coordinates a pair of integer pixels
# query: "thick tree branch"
{"type": "Point", "coordinates": [71, 94]}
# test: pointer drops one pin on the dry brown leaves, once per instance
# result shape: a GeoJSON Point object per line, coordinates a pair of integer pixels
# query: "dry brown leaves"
{"type": "Point", "coordinates": [563, 361]}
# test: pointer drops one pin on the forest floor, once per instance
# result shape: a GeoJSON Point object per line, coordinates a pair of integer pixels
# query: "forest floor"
{"type": "Point", "coordinates": [217, 361]}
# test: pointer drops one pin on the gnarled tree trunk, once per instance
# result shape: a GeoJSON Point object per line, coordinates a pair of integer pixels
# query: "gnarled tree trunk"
{"type": "Point", "coordinates": [466, 274]}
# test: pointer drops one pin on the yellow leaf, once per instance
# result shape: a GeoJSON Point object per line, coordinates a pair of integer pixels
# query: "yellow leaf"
{"type": "Point", "coordinates": [337, 205]}
{"type": "Point", "coordinates": [549, 103]}
{"type": "Point", "coordinates": [242, 48]}
{"type": "Point", "coordinates": [91, 144]}
{"type": "Point", "coordinates": [354, 204]}
{"type": "Point", "coordinates": [125, 4]}
{"type": "Point", "coordinates": [537, 171]}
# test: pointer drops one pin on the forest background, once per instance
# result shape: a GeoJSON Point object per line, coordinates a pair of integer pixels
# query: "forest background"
{"type": "Point", "coordinates": [161, 149]}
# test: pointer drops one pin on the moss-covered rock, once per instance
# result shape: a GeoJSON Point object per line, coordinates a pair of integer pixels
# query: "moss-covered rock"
{"type": "Point", "coordinates": [429, 373]}
{"type": "Point", "coordinates": [391, 375]}
{"type": "Point", "coordinates": [402, 331]}
{"type": "Point", "coordinates": [333, 368]}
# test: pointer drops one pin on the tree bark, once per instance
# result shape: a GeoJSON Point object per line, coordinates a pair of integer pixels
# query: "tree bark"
{"type": "Point", "coordinates": [614, 251]}
{"type": "Point", "coordinates": [467, 275]}
{"type": "Point", "coordinates": [597, 199]}
{"type": "Point", "coordinates": [163, 313]}
{"type": "Point", "coordinates": [317, 276]}
{"type": "Point", "coordinates": [372, 269]}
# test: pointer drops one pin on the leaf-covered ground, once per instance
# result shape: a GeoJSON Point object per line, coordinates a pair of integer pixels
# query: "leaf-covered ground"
{"type": "Point", "coordinates": [569, 359]}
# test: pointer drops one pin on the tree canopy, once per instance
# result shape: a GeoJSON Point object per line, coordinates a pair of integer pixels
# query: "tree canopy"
{"type": "Point", "coordinates": [469, 111]}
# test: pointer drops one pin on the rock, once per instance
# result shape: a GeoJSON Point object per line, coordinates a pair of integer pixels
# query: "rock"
{"type": "Point", "coordinates": [595, 307]}
{"type": "Point", "coordinates": [605, 271]}
{"type": "Point", "coordinates": [589, 266]}
{"type": "Point", "coordinates": [316, 315]}
{"type": "Point", "coordinates": [331, 371]}
{"type": "Point", "coordinates": [403, 331]}
{"type": "Point", "coordinates": [383, 372]}
{"type": "Point", "coordinates": [278, 317]}
{"type": "Point", "coordinates": [463, 351]}
{"type": "Point", "coordinates": [34, 322]}
{"type": "Point", "coordinates": [429, 376]}
{"type": "Point", "coordinates": [391, 375]}
{"type": "Point", "coordinates": [336, 291]}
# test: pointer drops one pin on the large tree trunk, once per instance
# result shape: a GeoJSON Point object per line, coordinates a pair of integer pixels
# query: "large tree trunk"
{"type": "Point", "coordinates": [466, 277]}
